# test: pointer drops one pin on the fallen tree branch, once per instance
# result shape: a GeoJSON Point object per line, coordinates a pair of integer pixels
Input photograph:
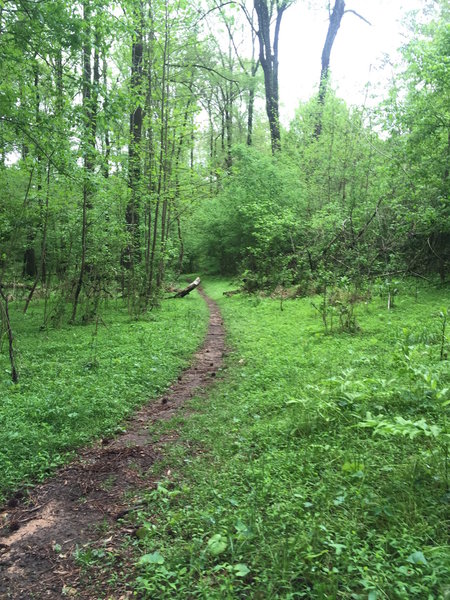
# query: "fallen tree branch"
{"type": "Point", "coordinates": [187, 290]}
{"type": "Point", "coordinates": [366, 225]}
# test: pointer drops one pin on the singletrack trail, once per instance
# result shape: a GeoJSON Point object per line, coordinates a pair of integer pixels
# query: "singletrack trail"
{"type": "Point", "coordinates": [39, 531]}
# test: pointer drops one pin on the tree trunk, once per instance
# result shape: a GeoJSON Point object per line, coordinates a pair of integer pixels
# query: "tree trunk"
{"type": "Point", "coordinates": [106, 112]}
{"type": "Point", "coordinates": [89, 102]}
{"type": "Point", "coordinates": [187, 290]}
{"type": "Point", "coordinates": [251, 92]}
{"type": "Point", "coordinates": [333, 28]}
{"type": "Point", "coordinates": [134, 147]}
{"type": "Point", "coordinates": [162, 167]}
{"type": "Point", "coordinates": [41, 273]}
{"type": "Point", "coordinates": [268, 57]}
{"type": "Point", "coordinates": [180, 239]}
{"type": "Point", "coordinates": [251, 106]}
{"type": "Point", "coordinates": [29, 258]}
{"type": "Point", "coordinates": [5, 318]}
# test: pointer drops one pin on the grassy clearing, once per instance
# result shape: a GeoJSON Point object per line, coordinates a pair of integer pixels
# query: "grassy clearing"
{"type": "Point", "coordinates": [319, 467]}
{"type": "Point", "coordinates": [79, 382]}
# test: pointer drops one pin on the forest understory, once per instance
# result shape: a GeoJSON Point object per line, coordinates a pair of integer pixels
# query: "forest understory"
{"type": "Point", "coordinates": [316, 466]}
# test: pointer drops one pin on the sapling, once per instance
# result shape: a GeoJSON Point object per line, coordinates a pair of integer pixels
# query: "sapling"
{"type": "Point", "coordinates": [443, 315]}
{"type": "Point", "coordinates": [7, 323]}
{"type": "Point", "coordinates": [322, 309]}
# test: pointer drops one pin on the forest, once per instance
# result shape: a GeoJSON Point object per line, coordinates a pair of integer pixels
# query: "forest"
{"type": "Point", "coordinates": [282, 431]}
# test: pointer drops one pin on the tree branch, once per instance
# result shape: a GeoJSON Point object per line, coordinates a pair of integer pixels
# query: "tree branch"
{"type": "Point", "coordinates": [349, 10]}
{"type": "Point", "coordinates": [216, 7]}
{"type": "Point", "coordinates": [368, 222]}
{"type": "Point", "coordinates": [249, 18]}
{"type": "Point", "coordinates": [206, 69]}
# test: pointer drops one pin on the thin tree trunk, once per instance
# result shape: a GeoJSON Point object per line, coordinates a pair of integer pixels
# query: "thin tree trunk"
{"type": "Point", "coordinates": [41, 273]}
{"type": "Point", "coordinates": [162, 163]}
{"type": "Point", "coordinates": [29, 258]}
{"type": "Point", "coordinates": [134, 147]}
{"type": "Point", "coordinates": [150, 155]}
{"type": "Point", "coordinates": [59, 83]}
{"type": "Point", "coordinates": [89, 118]}
{"type": "Point", "coordinates": [268, 57]}
{"type": "Point", "coordinates": [251, 105]}
{"type": "Point", "coordinates": [164, 219]}
{"type": "Point", "coordinates": [229, 112]}
{"type": "Point", "coordinates": [177, 183]}
{"type": "Point", "coordinates": [180, 239]}
{"type": "Point", "coordinates": [6, 319]}
{"type": "Point", "coordinates": [106, 112]}
{"type": "Point", "coordinates": [229, 129]}
{"type": "Point", "coordinates": [333, 28]}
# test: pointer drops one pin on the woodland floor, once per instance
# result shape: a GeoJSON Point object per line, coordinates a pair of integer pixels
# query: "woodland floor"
{"type": "Point", "coordinates": [41, 530]}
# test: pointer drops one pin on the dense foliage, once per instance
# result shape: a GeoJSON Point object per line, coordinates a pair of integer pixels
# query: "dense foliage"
{"type": "Point", "coordinates": [120, 156]}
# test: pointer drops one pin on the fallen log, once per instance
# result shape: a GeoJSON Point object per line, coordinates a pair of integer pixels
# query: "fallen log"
{"type": "Point", "coordinates": [187, 290]}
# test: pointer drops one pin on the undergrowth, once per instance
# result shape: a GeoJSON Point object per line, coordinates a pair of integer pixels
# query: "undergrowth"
{"type": "Point", "coordinates": [80, 382]}
{"type": "Point", "coordinates": [318, 467]}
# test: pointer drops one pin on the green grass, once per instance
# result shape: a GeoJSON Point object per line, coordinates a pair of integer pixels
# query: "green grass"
{"type": "Point", "coordinates": [79, 382]}
{"type": "Point", "coordinates": [289, 489]}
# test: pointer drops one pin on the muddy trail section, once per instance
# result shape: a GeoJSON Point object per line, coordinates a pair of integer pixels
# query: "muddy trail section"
{"type": "Point", "coordinates": [40, 531]}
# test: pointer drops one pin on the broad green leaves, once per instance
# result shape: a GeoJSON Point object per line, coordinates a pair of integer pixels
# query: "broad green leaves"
{"type": "Point", "coordinates": [155, 558]}
{"type": "Point", "coordinates": [217, 544]}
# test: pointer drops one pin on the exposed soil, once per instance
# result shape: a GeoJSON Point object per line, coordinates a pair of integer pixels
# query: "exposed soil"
{"type": "Point", "coordinates": [40, 531]}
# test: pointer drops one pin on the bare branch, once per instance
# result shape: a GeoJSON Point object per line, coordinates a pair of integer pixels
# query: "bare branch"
{"type": "Point", "coordinates": [216, 7]}
{"type": "Point", "coordinates": [230, 35]}
{"type": "Point", "coordinates": [349, 10]}
{"type": "Point", "coordinates": [206, 69]}
{"type": "Point", "coordinates": [249, 18]}
{"type": "Point", "coordinates": [368, 222]}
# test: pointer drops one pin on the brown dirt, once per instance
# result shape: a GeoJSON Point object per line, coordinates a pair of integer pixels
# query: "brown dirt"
{"type": "Point", "coordinates": [83, 501]}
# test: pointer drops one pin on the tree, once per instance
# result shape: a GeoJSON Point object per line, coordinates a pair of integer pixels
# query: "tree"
{"type": "Point", "coordinates": [90, 84]}
{"type": "Point", "coordinates": [268, 38]}
{"type": "Point", "coordinates": [333, 28]}
{"type": "Point", "coordinates": [417, 117]}
{"type": "Point", "coordinates": [134, 144]}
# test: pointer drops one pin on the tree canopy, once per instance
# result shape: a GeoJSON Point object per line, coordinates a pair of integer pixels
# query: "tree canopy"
{"type": "Point", "coordinates": [133, 146]}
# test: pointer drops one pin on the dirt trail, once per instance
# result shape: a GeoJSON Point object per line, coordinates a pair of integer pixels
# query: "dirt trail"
{"type": "Point", "coordinates": [85, 498]}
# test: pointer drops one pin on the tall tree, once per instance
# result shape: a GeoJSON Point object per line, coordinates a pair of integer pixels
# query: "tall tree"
{"type": "Point", "coordinates": [136, 123]}
{"type": "Point", "coordinates": [268, 38]}
{"type": "Point", "coordinates": [89, 129]}
{"type": "Point", "coordinates": [333, 27]}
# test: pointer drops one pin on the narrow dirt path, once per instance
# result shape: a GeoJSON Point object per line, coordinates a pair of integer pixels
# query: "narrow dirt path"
{"type": "Point", "coordinates": [39, 533]}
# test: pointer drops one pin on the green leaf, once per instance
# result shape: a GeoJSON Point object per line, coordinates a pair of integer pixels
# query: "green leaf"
{"type": "Point", "coordinates": [241, 570]}
{"type": "Point", "coordinates": [155, 558]}
{"type": "Point", "coordinates": [217, 544]}
{"type": "Point", "coordinates": [417, 558]}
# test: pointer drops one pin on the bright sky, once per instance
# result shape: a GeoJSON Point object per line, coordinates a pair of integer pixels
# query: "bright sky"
{"type": "Point", "coordinates": [357, 52]}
